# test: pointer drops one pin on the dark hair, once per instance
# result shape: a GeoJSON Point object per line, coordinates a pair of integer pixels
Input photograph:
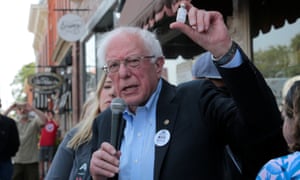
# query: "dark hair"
{"type": "Point", "coordinates": [289, 98]}
{"type": "Point", "coordinates": [292, 111]}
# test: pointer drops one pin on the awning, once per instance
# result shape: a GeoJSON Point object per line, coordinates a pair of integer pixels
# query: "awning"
{"type": "Point", "coordinates": [149, 14]}
{"type": "Point", "coordinates": [266, 14]}
{"type": "Point", "coordinates": [156, 16]}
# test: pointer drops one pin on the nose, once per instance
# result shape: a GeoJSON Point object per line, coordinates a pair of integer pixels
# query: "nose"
{"type": "Point", "coordinates": [123, 70]}
{"type": "Point", "coordinates": [112, 92]}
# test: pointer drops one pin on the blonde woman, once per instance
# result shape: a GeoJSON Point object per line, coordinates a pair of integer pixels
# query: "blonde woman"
{"type": "Point", "coordinates": [72, 157]}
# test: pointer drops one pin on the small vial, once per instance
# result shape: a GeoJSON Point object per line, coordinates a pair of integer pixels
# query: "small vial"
{"type": "Point", "coordinates": [181, 13]}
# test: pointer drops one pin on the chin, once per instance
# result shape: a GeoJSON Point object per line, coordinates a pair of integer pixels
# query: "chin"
{"type": "Point", "coordinates": [130, 100]}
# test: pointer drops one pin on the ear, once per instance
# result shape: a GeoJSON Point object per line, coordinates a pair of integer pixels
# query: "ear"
{"type": "Point", "coordinates": [159, 63]}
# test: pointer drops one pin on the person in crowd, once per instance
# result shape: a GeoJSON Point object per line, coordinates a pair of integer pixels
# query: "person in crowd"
{"type": "Point", "coordinates": [47, 143]}
{"type": "Point", "coordinates": [72, 157]}
{"type": "Point", "coordinates": [287, 167]}
{"type": "Point", "coordinates": [29, 123]}
{"type": "Point", "coordinates": [9, 145]}
{"type": "Point", "coordinates": [204, 68]}
{"type": "Point", "coordinates": [179, 132]}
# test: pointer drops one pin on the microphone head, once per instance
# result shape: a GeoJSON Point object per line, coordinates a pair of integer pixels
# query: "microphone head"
{"type": "Point", "coordinates": [117, 105]}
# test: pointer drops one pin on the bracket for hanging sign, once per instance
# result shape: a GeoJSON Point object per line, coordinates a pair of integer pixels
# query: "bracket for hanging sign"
{"type": "Point", "coordinates": [71, 9]}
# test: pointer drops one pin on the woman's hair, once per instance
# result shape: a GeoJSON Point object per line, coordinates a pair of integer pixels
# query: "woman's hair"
{"type": "Point", "coordinates": [89, 112]}
{"type": "Point", "coordinates": [292, 111]}
{"type": "Point", "coordinates": [149, 40]}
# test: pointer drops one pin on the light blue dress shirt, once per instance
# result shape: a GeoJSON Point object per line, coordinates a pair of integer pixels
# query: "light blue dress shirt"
{"type": "Point", "coordinates": [138, 148]}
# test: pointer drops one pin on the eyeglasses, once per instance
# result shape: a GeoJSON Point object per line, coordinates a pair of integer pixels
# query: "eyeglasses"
{"type": "Point", "coordinates": [133, 62]}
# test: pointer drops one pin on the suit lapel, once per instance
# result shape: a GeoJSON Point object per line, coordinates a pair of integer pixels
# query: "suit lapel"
{"type": "Point", "coordinates": [165, 120]}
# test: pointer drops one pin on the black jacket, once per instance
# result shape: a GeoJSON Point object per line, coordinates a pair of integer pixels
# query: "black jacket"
{"type": "Point", "coordinates": [9, 138]}
{"type": "Point", "coordinates": [203, 120]}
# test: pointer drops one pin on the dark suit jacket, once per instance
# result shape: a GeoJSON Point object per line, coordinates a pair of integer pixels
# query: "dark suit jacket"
{"type": "Point", "coordinates": [202, 121]}
{"type": "Point", "coordinates": [9, 138]}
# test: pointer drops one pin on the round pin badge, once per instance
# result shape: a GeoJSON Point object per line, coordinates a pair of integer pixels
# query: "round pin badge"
{"type": "Point", "coordinates": [162, 137]}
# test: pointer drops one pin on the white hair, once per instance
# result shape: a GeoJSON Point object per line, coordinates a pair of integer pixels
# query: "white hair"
{"type": "Point", "coordinates": [149, 39]}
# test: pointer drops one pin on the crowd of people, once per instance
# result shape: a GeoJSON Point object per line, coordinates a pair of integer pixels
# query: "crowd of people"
{"type": "Point", "coordinates": [223, 124]}
{"type": "Point", "coordinates": [29, 121]}
{"type": "Point", "coordinates": [28, 142]}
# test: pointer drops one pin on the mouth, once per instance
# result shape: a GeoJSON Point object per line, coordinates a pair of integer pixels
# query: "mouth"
{"type": "Point", "coordinates": [129, 89]}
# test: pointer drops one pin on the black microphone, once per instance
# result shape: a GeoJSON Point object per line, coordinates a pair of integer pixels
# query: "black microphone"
{"type": "Point", "coordinates": [117, 106]}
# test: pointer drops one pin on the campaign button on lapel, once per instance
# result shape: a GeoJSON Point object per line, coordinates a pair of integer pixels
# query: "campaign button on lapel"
{"type": "Point", "coordinates": [162, 137]}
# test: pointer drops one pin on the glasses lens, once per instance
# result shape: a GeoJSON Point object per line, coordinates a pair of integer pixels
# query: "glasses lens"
{"type": "Point", "coordinates": [130, 62]}
{"type": "Point", "coordinates": [113, 66]}
{"type": "Point", "coordinates": [133, 61]}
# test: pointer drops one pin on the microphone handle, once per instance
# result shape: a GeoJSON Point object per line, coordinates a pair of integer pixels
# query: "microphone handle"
{"type": "Point", "coordinates": [115, 126]}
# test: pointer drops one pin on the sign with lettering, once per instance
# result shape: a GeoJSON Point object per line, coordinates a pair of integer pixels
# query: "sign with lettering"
{"type": "Point", "coordinates": [70, 27]}
{"type": "Point", "coordinates": [44, 81]}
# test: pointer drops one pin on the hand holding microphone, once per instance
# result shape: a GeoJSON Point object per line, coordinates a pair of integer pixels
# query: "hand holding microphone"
{"type": "Point", "coordinates": [117, 106]}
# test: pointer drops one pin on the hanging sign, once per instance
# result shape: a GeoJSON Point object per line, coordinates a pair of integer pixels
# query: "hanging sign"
{"type": "Point", "coordinates": [70, 27]}
{"type": "Point", "coordinates": [44, 81]}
